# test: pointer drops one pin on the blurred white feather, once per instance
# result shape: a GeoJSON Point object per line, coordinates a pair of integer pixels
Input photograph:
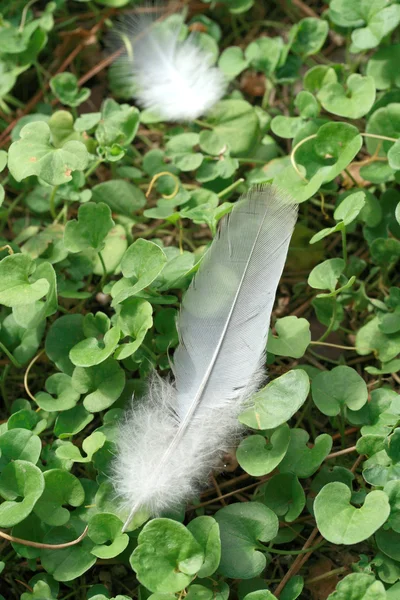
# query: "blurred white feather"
{"type": "Point", "coordinates": [173, 438]}
{"type": "Point", "coordinates": [172, 77]}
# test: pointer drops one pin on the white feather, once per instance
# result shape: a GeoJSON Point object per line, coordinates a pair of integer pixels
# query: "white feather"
{"type": "Point", "coordinates": [171, 440]}
{"type": "Point", "coordinates": [173, 78]}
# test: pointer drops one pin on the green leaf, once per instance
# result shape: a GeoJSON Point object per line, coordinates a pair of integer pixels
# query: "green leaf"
{"type": "Point", "coordinates": [309, 36]}
{"type": "Point", "coordinates": [242, 527]}
{"type": "Point", "coordinates": [64, 334]}
{"type": "Point", "coordinates": [205, 531]}
{"type": "Point", "coordinates": [370, 338]}
{"type": "Point", "coordinates": [135, 319]}
{"type": "Point", "coordinates": [31, 315]}
{"type": "Point", "coordinates": [16, 272]}
{"type": "Point", "coordinates": [379, 24]}
{"type": "Point", "coordinates": [284, 495]}
{"type": "Point", "coordinates": [60, 488]}
{"type": "Point", "coordinates": [121, 196]}
{"type": "Point", "coordinates": [115, 244]}
{"type": "Point", "coordinates": [19, 444]}
{"type": "Point", "coordinates": [141, 264]}
{"type": "Point", "coordinates": [104, 383]}
{"type": "Point", "coordinates": [104, 528]}
{"type": "Point", "coordinates": [66, 396]}
{"type": "Point", "coordinates": [264, 53]}
{"type": "Point", "coordinates": [359, 586]}
{"type": "Point", "coordinates": [388, 542]}
{"type": "Point", "coordinates": [302, 460]}
{"type": "Point", "coordinates": [382, 66]}
{"type": "Point", "coordinates": [350, 207]}
{"type": "Point", "coordinates": [259, 457]}
{"type": "Point", "coordinates": [353, 102]}
{"type": "Point", "coordinates": [90, 445]}
{"type": "Point", "coordinates": [65, 87]}
{"type": "Point", "coordinates": [67, 564]}
{"type": "Point", "coordinates": [33, 154]}
{"type": "Point", "coordinates": [72, 421]}
{"type": "Point", "coordinates": [92, 351]}
{"type": "Point", "coordinates": [278, 401]}
{"type": "Point", "coordinates": [236, 122]}
{"type": "Point", "coordinates": [394, 156]}
{"type": "Point", "coordinates": [333, 390]}
{"type": "Point", "coordinates": [326, 275]}
{"type": "Point", "coordinates": [340, 522]}
{"type": "Point", "coordinates": [19, 479]}
{"type": "Point", "coordinates": [232, 62]}
{"type": "Point", "coordinates": [293, 337]}
{"type": "Point", "coordinates": [90, 229]}
{"type": "Point", "coordinates": [118, 125]}
{"type": "Point", "coordinates": [167, 556]}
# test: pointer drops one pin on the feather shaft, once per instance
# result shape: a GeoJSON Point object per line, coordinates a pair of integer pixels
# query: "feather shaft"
{"type": "Point", "coordinates": [170, 443]}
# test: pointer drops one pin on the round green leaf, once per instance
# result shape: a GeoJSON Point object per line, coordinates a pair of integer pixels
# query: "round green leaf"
{"type": "Point", "coordinates": [141, 264]}
{"type": "Point", "coordinates": [33, 154]}
{"type": "Point", "coordinates": [205, 531]}
{"type": "Point", "coordinates": [65, 87]}
{"type": "Point", "coordinates": [333, 390]}
{"type": "Point", "coordinates": [236, 122]}
{"type": "Point", "coordinates": [278, 401]}
{"type": "Point", "coordinates": [64, 334]}
{"type": "Point", "coordinates": [293, 337]}
{"type": "Point", "coordinates": [340, 522]}
{"type": "Point", "coordinates": [353, 103]}
{"type": "Point", "coordinates": [61, 488]}
{"type": "Point", "coordinates": [388, 542]}
{"type": "Point", "coordinates": [89, 231]}
{"type": "Point", "coordinates": [104, 528]}
{"type": "Point", "coordinates": [370, 338]}
{"type": "Point", "coordinates": [19, 479]}
{"type": "Point", "coordinates": [92, 351]}
{"type": "Point", "coordinates": [242, 527]}
{"type": "Point", "coordinates": [121, 196]}
{"type": "Point", "coordinates": [19, 444]}
{"type": "Point", "coordinates": [167, 556]}
{"type": "Point", "coordinates": [67, 564]}
{"type": "Point", "coordinates": [66, 396]}
{"type": "Point", "coordinates": [72, 421]}
{"type": "Point", "coordinates": [232, 62]}
{"type": "Point", "coordinates": [135, 319]}
{"type": "Point", "coordinates": [359, 586]}
{"type": "Point", "coordinates": [259, 457]}
{"type": "Point", "coordinates": [104, 383]}
{"type": "Point", "coordinates": [302, 460]}
{"type": "Point", "coordinates": [284, 495]}
{"type": "Point", "coordinates": [382, 66]}
{"type": "Point", "coordinates": [309, 36]}
{"type": "Point", "coordinates": [326, 274]}
{"type": "Point", "coordinates": [15, 288]}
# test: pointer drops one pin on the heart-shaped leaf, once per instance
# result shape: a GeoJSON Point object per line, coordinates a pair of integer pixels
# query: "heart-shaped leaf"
{"type": "Point", "coordinates": [259, 457]}
{"type": "Point", "coordinates": [60, 488]}
{"type": "Point", "coordinates": [333, 390]}
{"type": "Point", "coordinates": [167, 556]}
{"type": "Point", "coordinates": [89, 231]}
{"type": "Point", "coordinates": [293, 337]}
{"type": "Point", "coordinates": [278, 401]}
{"type": "Point", "coordinates": [242, 527]}
{"type": "Point", "coordinates": [340, 522]}
{"type": "Point", "coordinates": [33, 154]}
{"type": "Point", "coordinates": [19, 479]}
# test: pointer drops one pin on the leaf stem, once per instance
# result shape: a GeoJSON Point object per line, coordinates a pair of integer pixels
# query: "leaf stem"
{"type": "Point", "coordinates": [103, 264]}
{"type": "Point", "coordinates": [52, 202]}
{"type": "Point", "coordinates": [344, 244]}
{"type": "Point", "coordinates": [331, 324]}
{"type": "Point", "coordinates": [10, 356]}
{"type": "Point", "coordinates": [230, 188]}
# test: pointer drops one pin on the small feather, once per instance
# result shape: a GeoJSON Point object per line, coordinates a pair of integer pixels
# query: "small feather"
{"type": "Point", "coordinates": [173, 438]}
{"type": "Point", "coordinates": [173, 78]}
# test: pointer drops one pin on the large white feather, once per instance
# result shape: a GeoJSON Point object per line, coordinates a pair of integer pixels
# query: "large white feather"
{"type": "Point", "coordinates": [171, 77]}
{"type": "Point", "coordinates": [172, 439]}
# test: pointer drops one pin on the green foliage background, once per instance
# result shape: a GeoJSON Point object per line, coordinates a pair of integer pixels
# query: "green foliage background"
{"type": "Point", "coordinates": [104, 214]}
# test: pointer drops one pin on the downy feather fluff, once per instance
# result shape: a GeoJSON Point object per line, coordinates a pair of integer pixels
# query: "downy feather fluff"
{"type": "Point", "coordinates": [171, 77]}
{"type": "Point", "coordinates": [174, 437]}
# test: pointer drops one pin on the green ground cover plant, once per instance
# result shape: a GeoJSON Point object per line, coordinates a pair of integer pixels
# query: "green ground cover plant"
{"type": "Point", "coordinates": [105, 212]}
